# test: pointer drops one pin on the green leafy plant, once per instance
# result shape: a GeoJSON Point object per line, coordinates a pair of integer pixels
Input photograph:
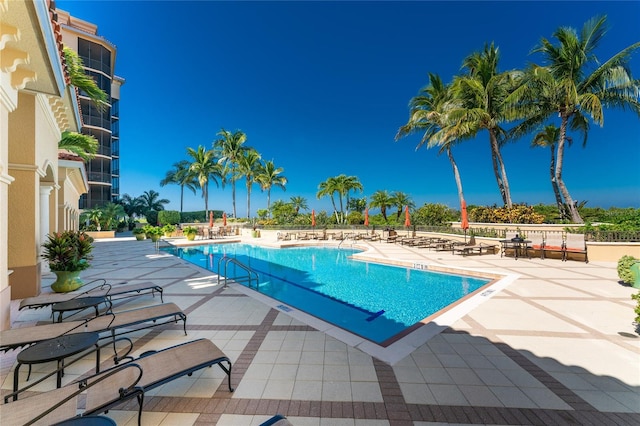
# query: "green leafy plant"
{"type": "Point", "coordinates": [168, 228]}
{"type": "Point", "coordinates": [137, 231]}
{"type": "Point", "coordinates": [68, 251]}
{"type": "Point", "coordinates": [636, 297]}
{"type": "Point", "coordinates": [624, 268]}
{"type": "Point", "coordinates": [189, 230]}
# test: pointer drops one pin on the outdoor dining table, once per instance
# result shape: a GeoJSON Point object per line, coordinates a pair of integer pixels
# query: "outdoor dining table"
{"type": "Point", "coordinates": [56, 349]}
{"type": "Point", "coordinates": [79, 304]}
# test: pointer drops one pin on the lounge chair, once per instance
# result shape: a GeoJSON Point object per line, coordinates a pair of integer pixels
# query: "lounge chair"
{"type": "Point", "coordinates": [117, 324]}
{"type": "Point", "coordinates": [536, 243]}
{"type": "Point", "coordinates": [575, 243]}
{"type": "Point", "coordinates": [113, 291]}
{"type": "Point", "coordinates": [392, 237]}
{"type": "Point", "coordinates": [472, 247]}
{"type": "Point", "coordinates": [553, 243]}
{"type": "Point", "coordinates": [277, 420]}
{"type": "Point", "coordinates": [101, 392]}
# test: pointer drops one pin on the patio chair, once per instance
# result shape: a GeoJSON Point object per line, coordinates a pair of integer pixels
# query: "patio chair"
{"type": "Point", "coordinates": [100, 393]}
{"type": "Point", "coordinates": [113, 291]}
{"type": "Point", "coordinates": [117, 324]}
{"type": "Point", "coordinates": [277, 420]}
{"type": "Point", "coordinates": [472, 247]}
{"type": "Point", "coordinates": [575, 243]}
{"type": "Point", "coordinates": [536, 239]}
{"type": "Point", "coordinates": [553, 243]}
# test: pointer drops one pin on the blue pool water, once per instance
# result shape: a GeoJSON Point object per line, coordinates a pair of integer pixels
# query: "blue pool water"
{"type": "Point", "coordinates": [371, 300]}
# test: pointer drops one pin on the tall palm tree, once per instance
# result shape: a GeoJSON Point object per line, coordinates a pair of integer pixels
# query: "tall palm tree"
{"type": "Point", "coordinates": [299, 203]}
{"type": "Point", "coordinates": [328, 188]}
{"type": "Point", "coordinates": [151, 201]}
{"type": "Point", "coordinates": [112, 213]}
{"type": "Point", "coordinates": [84, 146]}
{"type": "Point", "coordinates": [381, 200]}
{"type": "Point", "coordinates": [346, 184]}
{"type": "Point", "coordinates": [248, 166]}
{"type": "Point", "coordinates": [428, 114]}
{"type": "Point", "coordinates": [482, 92]}
{"type": "Point", "coordinates": [204, 166]}
{"type": "Point", "coordinates": [231, 147]}
{"type": "Point", "coordinates": [269, 176]}
{"type": "Point", "coordinates": [400, 199]}
{"type": "Point", "coordinates": [181, 175]}
{"type": "Point", "coordinates": [574, 86]}
{"type": "Point", "coordinates": [548, 138]}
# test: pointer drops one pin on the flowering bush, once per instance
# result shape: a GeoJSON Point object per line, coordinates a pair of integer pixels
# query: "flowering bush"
{"type": "Point", "coordinates": [68, 251]}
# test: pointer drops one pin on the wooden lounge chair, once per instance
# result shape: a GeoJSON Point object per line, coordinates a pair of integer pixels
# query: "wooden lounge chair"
{"type": "Point", "coordinates": [117, 324]}
{"type": "Point", "coordinates": [575, 243]}
{"type": "Point", "coordinates": [472, 247]}
{"type": "Point", "coordinates": [100, 392]}
{"type": "Point", "coordinates": [112, 291]}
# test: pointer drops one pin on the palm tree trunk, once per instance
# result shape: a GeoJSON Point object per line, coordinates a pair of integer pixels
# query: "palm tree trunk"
{"type": "Point", "coordinates": [554, 185]}
{"type": "Point", "coordinates": [456, 174]}
{"type": "Point", "coordinates": [335, 209]}
{"type": "Point", "coordinates": [205, 193]}
{"type": "Point", "coordinates": [269, 201]}
{"type": "Point", "coordinates": [499, 170]}
{"type": "Point", "coordinates": [181, 198]}
{"type": "Point", "coordinates": [233, 195]}
{"type": "Point", "coordinates": [248, 199]}
{"type": "Point", "coordinates": [571, 205]}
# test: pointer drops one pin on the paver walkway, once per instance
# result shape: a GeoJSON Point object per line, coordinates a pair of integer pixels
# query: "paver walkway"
{"type": "Point", "coordinates": [553, 344]}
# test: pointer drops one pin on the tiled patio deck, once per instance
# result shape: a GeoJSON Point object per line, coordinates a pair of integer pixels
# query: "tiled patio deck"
{"type": "Point", "coordinates": [545, 349]}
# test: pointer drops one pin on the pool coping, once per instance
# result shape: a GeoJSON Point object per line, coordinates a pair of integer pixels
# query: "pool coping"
{"type": "Point", "coordinates": [405, 342]}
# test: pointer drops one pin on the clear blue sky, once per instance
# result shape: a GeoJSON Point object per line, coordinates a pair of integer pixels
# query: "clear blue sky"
{"type": "Point", "coordinates": [321, 88]}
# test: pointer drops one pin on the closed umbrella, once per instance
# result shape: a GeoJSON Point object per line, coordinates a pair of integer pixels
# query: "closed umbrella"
{"type": "Point", "coordinates": [313, 218]}
{"type": "Point", "coordinates": [224, 219]}
{"type": "Point", "coordinates": [407, 219]}
{"type": "Point", "coordinates": [366, 217]}
{"type": "Point", "coordinates": [210, 219]}
{"type": "Point", "coordinates": [464, 223]}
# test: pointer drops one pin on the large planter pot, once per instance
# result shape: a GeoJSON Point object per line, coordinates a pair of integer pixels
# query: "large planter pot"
{"type": "Point", "coordinates": [191, 237]}
{"type": "Point", "coordinates": [66, 281]}
{"type": "Point", "coordinates": [140, 237]}
{"type": "Point", "coordinates": [155, 237]}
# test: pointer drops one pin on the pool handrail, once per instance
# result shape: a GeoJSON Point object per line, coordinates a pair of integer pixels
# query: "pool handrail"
{"type": "Point", "coordinates": [250, 272]}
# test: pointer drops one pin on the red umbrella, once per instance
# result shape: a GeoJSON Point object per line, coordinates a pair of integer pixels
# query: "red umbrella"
{"type": "Point", "coordinates": [313, 218]}
{"type": "Point", "coordinates": [224, 219]}
{"type": "Point", "coordinates": [366, 217]}
{"type": "Point", "coordinates": [210, 219]}
{"type": "Point", "coordinates": [464, 223]}
{"type": "Point", "coordinates": [407, 218]}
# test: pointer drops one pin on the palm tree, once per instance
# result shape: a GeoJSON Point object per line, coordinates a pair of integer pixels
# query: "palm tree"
{"type": "Point", "coordinates": [204, 166]}
{"type": "Point", "coordinates": [346, 184]}
{"type": "Point", "coordinates": [132, 206]}
{"type": "Point", "coordinates": [149, 201]}
{"type": "Point", "coordinates": [79, 78]}
{"type": "Point", "coordinates": [381, 200]}
{"type": "Point", "coordinates": [428, 114]}
{"type": "Point", "coordinates": [327, 189]}
{"type": "Point", "coordinates": [111, 212]}
{"type": "Point", "coordinates": [84, 146]}
{"type": "Point", "coordinates": [574, 86]}
{"type": "Point", "coordinates": [299, 203]}
{"type": "Point", "coordinates": [231, 147]}
{"type": "Point", "coordinates": [268, 176]}
{"type": "Point", "coordinates": [482, 93]}
{"type": "Point", "coordinates": [248, 166]}
{"type": "Point", "coordinates": [400, 199]}
{"type": "Point", "coordinates": [181, 175]}
{"type": "Point", "coordinates": [547, 138]}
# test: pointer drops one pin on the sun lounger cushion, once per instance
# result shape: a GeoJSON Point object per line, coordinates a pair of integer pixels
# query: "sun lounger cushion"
{"type": "Point", "coordinates": [277, 420]}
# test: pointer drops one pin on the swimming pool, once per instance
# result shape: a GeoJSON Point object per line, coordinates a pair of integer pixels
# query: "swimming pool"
{"type": "Point", "coordinates": [375, 301]}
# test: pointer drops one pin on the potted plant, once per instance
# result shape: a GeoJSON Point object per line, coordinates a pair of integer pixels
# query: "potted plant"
{"type": "Point", "coordinates": [168, 230]}
{"type": "Point", "coordinates": [139, 233]}
{"type": "Point", "coordinates": [190, 232]}
{"type": "Point", "coordinates": [155, 233]}
{"type": "Point", "coordinates": [68, 253]}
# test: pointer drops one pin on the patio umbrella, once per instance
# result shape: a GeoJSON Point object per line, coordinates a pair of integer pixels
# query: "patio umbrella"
{"type": "Point", "coordinates": [224, 219]}
{"type": "Point", "coordinates": [464, 223]}
{"type": "Point", "coordinates": [313, 218]}
{"type": "Point", "coordinates": [407, 219]}
{"type": "Point", "coordinates": [366, 217]}
{"type": "Point", "coordinates": [210, 219]}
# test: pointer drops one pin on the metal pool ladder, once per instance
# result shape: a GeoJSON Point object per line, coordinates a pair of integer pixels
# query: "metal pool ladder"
{"type": "Point", "coordinates": [248, 278]}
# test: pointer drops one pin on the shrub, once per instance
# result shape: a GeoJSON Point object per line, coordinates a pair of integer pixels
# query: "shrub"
{"type": "Point", "coordinates": [624, 268]}
{"type": "Point", "coordinates": [168, 217]}
{"type": "Point", "coordinates": [636, 297]}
